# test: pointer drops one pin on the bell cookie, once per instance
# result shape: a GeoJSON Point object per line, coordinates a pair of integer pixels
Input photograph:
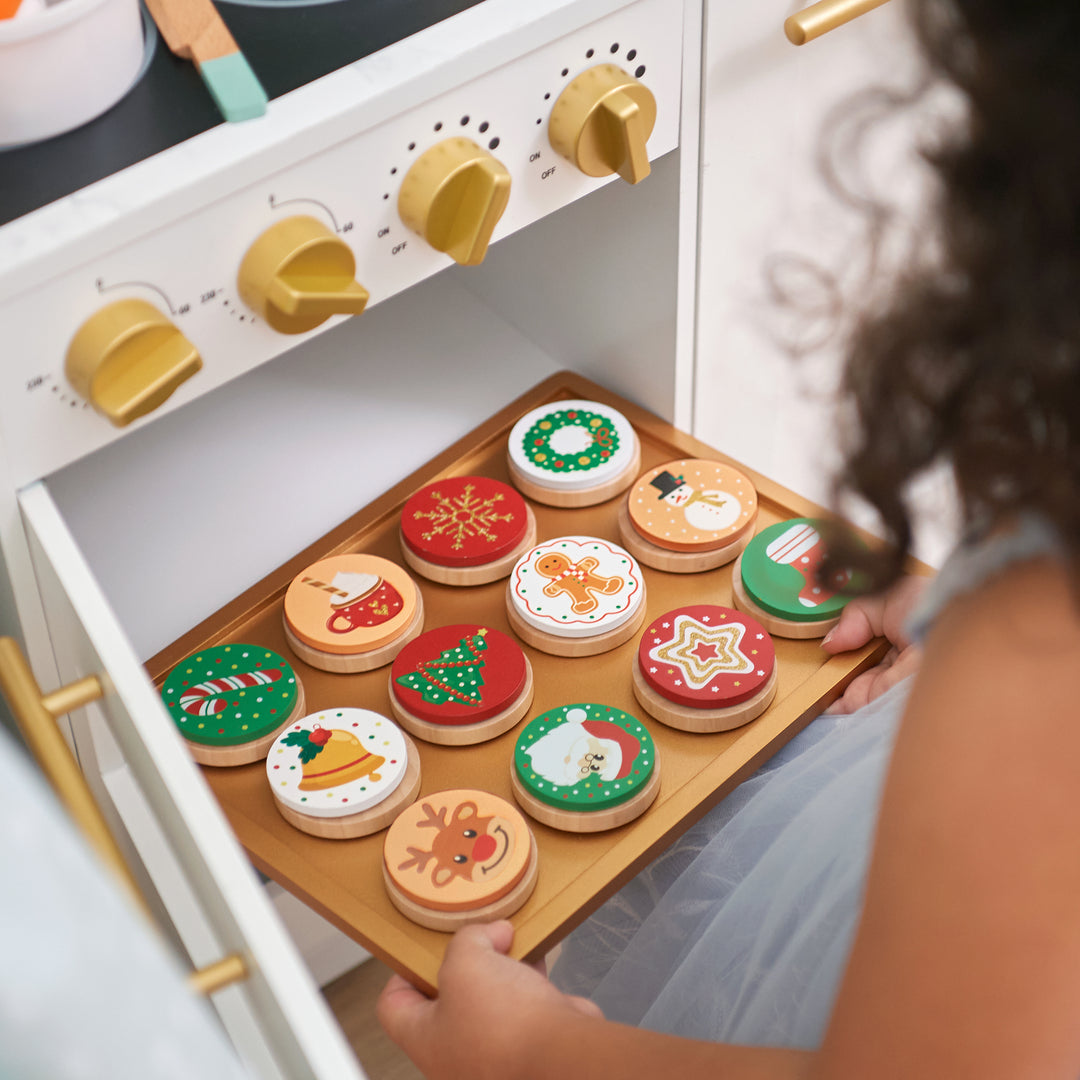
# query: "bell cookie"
{"type": "Point", "coordinates": [576, 596]}
{"type": "Point", "coordinates": [351, 613]}
{"type": "Point", "coordinates": [573, 453]}
{"type": "Point", "coordinates": [457, 857]}
{"type": "Point", "coordinates": [585, 767]}
{"type": "Point", "coordinates": [775, 580]}
{"type": "Point", "coordinates": [688, 515]}
{"type": "Point", "coordinates": [465, 530]}
{"type": "Point", "coordinates": [705, 668]}
{"type": "Point", "coordinates": [461, 684]}
{"type": "Point", "coordinates": [342, 773]}
{"type": "Point", "coordinates": [230, 701]}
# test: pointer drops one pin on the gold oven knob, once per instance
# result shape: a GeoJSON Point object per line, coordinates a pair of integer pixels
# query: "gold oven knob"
{"type": "Point", "coordinates": [602, 121]}
{"type": "Point", "coordinates": [127, 359]}
{"type": "Point", "coordinates": [453, 196]}
{"type": "Point", "coordinates": [297, 274]}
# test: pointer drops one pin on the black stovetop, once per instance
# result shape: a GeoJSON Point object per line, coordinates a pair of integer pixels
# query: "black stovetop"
{"type": "Point", "coordinates": [286, 46]}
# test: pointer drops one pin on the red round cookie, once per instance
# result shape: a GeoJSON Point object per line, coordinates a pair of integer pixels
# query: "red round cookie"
{"type": "Point", "coordinates": [705, 656]}
{"type": "Point", "coordinates": [464, 521]}
{"type": "Point", "coordinates": [459, 674]}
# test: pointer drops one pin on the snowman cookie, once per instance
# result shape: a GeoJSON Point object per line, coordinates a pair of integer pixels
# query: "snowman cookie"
{"type": "Point", "coordinates": [576, 596]}
{"type": "Point", "coordinates": [585, 768]}
{"type": "Point", "coordinates": [351, 613]}
{"type": "Point", "coordinates": [466, 530]}
{"type": "Point", "coordinates": [776, 580]}
{"type": "Point", "coordinates": [689, 515]}
{"type": "Point", "coordinates": [461, 684]}
{"type": "Point", "coordinates": [573, 453]}
{"type": "Point", "coordinates": [231, 701]}
{"type": "Point", "coordinates": [705, 668]}
{"type": "Point", "coordinates": [458, 857]}
{"type": "Point", "coordinates": [342, 773]}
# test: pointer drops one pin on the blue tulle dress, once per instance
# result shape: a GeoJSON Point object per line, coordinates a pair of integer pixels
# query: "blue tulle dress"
{"type": "Point", "coordinates": [741, 930]}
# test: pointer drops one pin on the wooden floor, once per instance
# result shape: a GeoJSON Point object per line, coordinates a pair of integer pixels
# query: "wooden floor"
{"type": "Point", "coordinates": [352, 999]}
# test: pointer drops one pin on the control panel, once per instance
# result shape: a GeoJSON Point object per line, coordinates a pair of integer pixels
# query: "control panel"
{"type": "Point", "coordinates": [218, 290]}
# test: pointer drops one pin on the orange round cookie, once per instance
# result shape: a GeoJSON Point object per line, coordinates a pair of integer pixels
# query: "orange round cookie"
{"type": "Point", "coordinates": [459, 856]}
{"type": "Point", "coordinates": [351, 612]}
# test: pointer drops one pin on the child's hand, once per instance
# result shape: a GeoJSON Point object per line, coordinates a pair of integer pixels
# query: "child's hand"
{"type": "Point", "coordinates": [490, 1010]}
{"type": "Point", "coordinates": [868, 617]}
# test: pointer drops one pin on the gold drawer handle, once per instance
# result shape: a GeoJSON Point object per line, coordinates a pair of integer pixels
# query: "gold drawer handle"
{"type": "Point", "coordinates": [36, 714]}
{"type": "Point", "coordinates": [824, 16]}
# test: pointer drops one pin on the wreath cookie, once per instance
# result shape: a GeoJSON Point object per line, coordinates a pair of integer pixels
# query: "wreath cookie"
{"type": "Point", "coordinates": [230, 701]}
{"type": "Point", "coordinates": [573, 453]}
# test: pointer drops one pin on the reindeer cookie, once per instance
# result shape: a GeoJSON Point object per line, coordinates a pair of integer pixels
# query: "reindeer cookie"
{"type": "Point", "coordinates": [576, 596]}
{"type": "Point", "coordinates": [705, 668]}
{"type": "Point", "coordinates": [689, 515]}
{"type": "Point", "coordinates": [457, 857]}
{"type": "Point", "coordinates": [776, 580]}
{"type": "Point", "coordinates": [342, 773]}
{"type": "Point", "coordinates": [351, 613]}
{"type": "Point", "coordinates": [573, 453]}
{"type": "Point", "coordinates": [466, 530]}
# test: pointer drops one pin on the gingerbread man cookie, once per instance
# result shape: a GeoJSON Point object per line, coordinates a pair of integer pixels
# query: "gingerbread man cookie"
{"type": "Point", "coordinates": [576, 596]}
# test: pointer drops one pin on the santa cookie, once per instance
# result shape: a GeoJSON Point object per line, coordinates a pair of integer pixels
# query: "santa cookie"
{"type": "Point", "coordinates": [458, 857]}
{"type": "Point", "coordinates": [351, 613]}
{"type": "Point", "coordinates": [459, 685]}
{"type": "Point", "coordinates": [688, 515]}
{"type": "Point", "coordinates": [466, 530]}
{"type": "Point", "coordinates": [585, 768]}
{"type": "Point", "coordinates": [342, 773]}
{"type": "Point", "coordinates": [573, 453]}
{"type": "Point", "coordinates": [230, 702]}
{"type": "Point", "coordinates": [576, 596]}
{"type": "Point", "coordinates": [705, 668]}
{"type": "Point", "coordinates": [776, 580]}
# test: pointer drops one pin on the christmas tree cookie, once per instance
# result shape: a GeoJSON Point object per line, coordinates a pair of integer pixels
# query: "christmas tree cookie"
{"type": "Point", "coordinates": [458, 857]}
{"type": "Point", "coordinates": [459, 685]}
{"type": "Point", "coordinates": [466, 530]}
{"type": "Point", "coordinates": [230, 701]}
{"type": "Point", "coordinates": [351, 613]}
{"type": "Point", "coordinates": [705, 668]}
{"type": "Point", "coordinates": [585, 768]}
{"type": "Point", "coordinates": [688, 516]}
{"type": "Point", "coordinates": [776, 580]}
{"type": "Point", "coordinates": [573, 453]}
{"type": "Point", "coordinates": [342, 773]}
{"type": "Point", "coordinates": [576, 596]}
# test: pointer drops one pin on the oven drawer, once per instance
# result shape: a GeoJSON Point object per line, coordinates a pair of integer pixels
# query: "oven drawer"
{"type": "Point", "coordinates": [183, 853]}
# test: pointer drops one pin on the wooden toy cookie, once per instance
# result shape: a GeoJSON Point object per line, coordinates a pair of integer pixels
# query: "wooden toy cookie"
{"type": "Point", "coordinates": [573, 453]}
{"type": "Point", "coordinates": [585, 768]}
{"type": "Point", "coordinates": [459, 685]}
{"type": "Point", "coordinates": [458, 857]}
{"type": "Point", "coordinates": [705, 668]}
{"type": "Point", "coordinates": [231, 701]}
{"type": "Point", "coordinates": [343, 773]}
{"type": "Point", "coordinates": [576, 596]}
{"type": "Point", "coordinates": [351, 613]}
{"type": "Point", "coordinates": [688, 516]}
{"type": "Point", "coordinates": [775, 580]}
{"type": "Point", "coordinates": [466, 530]}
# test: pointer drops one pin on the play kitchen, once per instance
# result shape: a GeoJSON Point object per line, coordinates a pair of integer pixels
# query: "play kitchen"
{"type": "Point", "coordinates": [236, 345]}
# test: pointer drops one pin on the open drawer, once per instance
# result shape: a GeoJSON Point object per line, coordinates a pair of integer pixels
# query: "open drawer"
{"type": "Point", "coordinates": [342, 879]}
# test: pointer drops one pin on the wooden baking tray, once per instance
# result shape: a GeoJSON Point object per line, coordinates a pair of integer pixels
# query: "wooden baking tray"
{"type": "Point", "coordinates": [342, 879]}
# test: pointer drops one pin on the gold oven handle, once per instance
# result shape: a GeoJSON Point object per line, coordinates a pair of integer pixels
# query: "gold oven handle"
{"type": "Point", "coordinates": [36, 714]}
{"type": "Point", "coordinates": [824, 16]}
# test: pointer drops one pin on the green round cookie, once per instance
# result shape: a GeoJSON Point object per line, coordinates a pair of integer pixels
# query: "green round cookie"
{"type": "Point", "coordinates": [230, 694]}
{"type": "Point", "coordinates": [584, 757]}
{"type": "Point", "coordinates": [779, 573]}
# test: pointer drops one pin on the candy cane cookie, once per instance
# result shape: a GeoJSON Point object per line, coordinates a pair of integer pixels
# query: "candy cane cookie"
{"type": "Point", "coordinates": [230, 701]}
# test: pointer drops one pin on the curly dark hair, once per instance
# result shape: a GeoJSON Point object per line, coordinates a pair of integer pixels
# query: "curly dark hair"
{"type": "Point", "coordinates": [976, 360]}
